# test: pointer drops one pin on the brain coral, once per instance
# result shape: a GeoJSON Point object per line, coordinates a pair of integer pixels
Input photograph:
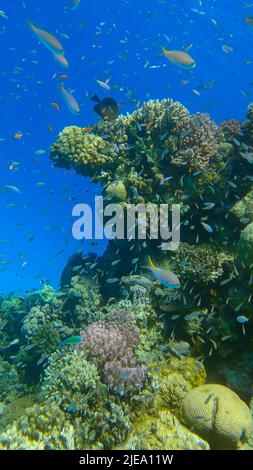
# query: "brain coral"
{"type": "Point", "coordinates": [219, 415]}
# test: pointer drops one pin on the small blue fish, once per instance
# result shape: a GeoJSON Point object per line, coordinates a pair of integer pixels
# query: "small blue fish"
{"type": "Point", "coordinates": [207, 227]}
{"type": "Point", "coordinates": [166, 277]}
{"type": "Point", "coordinates": [71, 340]}
{"type": "Point", "coordinates": [242, 319]}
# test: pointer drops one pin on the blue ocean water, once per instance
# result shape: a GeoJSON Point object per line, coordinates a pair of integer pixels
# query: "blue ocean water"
{"type": "Point", "coordinates": [102, 39]}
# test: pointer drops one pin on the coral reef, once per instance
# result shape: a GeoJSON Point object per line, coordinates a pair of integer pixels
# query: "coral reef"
{"type": "Point", "coordinates": [136, 379]}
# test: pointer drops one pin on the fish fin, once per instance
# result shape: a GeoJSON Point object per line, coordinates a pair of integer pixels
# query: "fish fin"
{"type": "Point", "coordinates": [60, 86]}
{"type": "Point", "coordinates": [165, 51]}
{"type": "Point", "coordinates": [30, 25]}
{"type": "Point", "coordinates": [151, 263]}
{"type": "Point", "coordinates": [96, 99]}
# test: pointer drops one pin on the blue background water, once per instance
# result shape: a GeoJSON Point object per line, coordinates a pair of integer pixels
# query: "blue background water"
{"type": "Point", "coordinates": [107, 38]}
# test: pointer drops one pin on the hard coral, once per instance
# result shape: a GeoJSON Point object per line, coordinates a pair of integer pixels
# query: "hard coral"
{"type": "Point", "coordinates": [87, 153]}
{"type": "Point", "coordinates": [219, 415]}
{"type": "Point", "coordinates": [196, 143]}
{"type": "Point", "coordinates": [71, 381]}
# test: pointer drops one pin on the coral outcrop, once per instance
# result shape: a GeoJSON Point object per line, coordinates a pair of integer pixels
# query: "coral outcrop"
{"type": "Point", "coordinates": [116, 359]}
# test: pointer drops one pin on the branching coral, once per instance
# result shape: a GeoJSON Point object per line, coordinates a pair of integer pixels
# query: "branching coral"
{"type": "Point", "coordinates": [87, 153]}
{"type": "Point", "coordinates": [111, 347]}
{"type": "Point", "coordinates": [72, 382]}
{"type": "Point", "coordinates": [137, 149]}
{"type": "Point", "coordinates": [196, 143]}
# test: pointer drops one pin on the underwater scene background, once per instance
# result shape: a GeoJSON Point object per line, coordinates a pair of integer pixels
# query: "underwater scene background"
{"type": "Point", "coordinates": [119, 344]}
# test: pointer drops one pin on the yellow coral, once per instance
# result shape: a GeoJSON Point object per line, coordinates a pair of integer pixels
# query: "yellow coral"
{"type": "Point", "coordinates": [162, 432]}
{"type": "Point", "coordinates": [219, 415]}
{"type": "Point", "coordinates": [88, 153]}
{"type": "Point", "coordinates": [117, 191]}
{"type": "Point", "coordinates": [176, 379]}
{"type": "Point", "coordinates": [40, 427]}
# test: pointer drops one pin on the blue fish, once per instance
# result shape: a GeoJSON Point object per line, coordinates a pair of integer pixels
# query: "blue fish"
{"type": "Point", "coordinates": [166, 277]}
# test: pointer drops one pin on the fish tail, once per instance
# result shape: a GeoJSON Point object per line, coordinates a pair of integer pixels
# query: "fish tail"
{"type": "Point", "coordinates": [165, 51]}
{"type": "Point", "coordinates": [151, 263]}
{"type": "Point", "coordinates": [96, 99]}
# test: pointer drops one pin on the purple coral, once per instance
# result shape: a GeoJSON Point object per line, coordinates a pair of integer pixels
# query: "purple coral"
{"type": "Point", "coordinates": [198, 140]}
{"type": "Point", "coordinates": [110, 346]}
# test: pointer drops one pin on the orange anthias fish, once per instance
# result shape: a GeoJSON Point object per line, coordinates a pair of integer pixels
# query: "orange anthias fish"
{"type": "Point", "coordinates": [47, 39]}
{"type": "Point", "coordinates": [180, 58]}
{"type": "Point", "coordinates": [86, 129]}
{"type": "Point", "coordinates": [61, 59]}
{"type": "Point", "coordinates": [62, 76]}
{"type": "Point", "coordinates": [55, 105]}
{"type": "Point", "coordinates": [166, 277]}
{"type": "Point", "coordinates": [17, 136]}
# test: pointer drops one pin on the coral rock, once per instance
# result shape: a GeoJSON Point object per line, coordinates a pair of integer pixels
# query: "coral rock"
{"type": "Point", "coordinates": [117, 191]}
{"type": "Point", "coordinates": [245, 246]}
{"type": "Point", "coordinates": [162, 432]}
{"type": "Point", "coordinates": [218, 415]}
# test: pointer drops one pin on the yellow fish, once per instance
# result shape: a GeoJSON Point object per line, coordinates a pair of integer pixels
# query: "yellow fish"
{"type": "Point", "coordinates": [166, 277]}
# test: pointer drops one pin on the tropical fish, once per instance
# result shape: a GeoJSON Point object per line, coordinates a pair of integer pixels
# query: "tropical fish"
{"type": "Point", "coordinates": [3, 14]}
{"type": "Point", "coordinates": [209, 206]}
{"type": "Point", "coordinates": [69, 100]}
{"type": "Point", "coordinates": [207, 227]}
{"type": "Point", "coordinates": [61, 59]}
{"type": "Point", "coordinates": [62, 76]}
{"type": "Point", "coordinates": [50, 128]}
{"type": "Point", "coordinates": [86, 129]}
{"type": "Point", "coordinates": [249, 20]}
{"type": "Point", "coordinates": [75, 4]}
{"type": "Point", "coordinates": [40, 152]}
{"type": "Point", "coordinates": [71, 340]}
{"type": "Point", "coordinates": [17, 136]}
{"type": "Point", "coordinates": [166, 277]}
{"type": "Point", "coordinates": [108, 108]}
{"type": "Point", "coordinates": [168, 178]}
{"type": "Point", "coordinates": [10, 187]}
{"type": "Point", "coordinates": [55, 105]}
{"type": "Point", "coordinates": [105, 84]}
{"type": "Point", "coordinates": [180, 58]}
{"type": "Point", "coordinates": [47, 39]}
{"type": "Point", "coordinates": [242, 319]}
{"type": "Point", "coordinates": [227, 49]}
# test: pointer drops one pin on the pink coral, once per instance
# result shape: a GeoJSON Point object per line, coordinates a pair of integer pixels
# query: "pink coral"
{"type": "Point", "coordinates": [197, 140]}
{"type": "Point", "coordinates": [110, 346]}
